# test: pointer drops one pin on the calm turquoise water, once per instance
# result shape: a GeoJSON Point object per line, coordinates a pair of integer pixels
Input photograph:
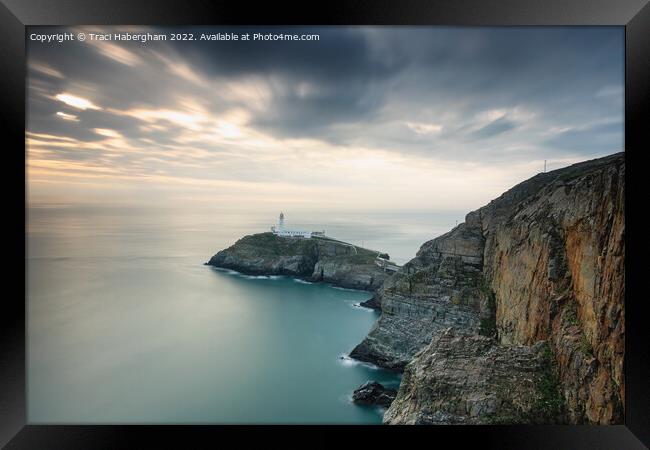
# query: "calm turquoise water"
{"type": "Point", "coordinates": [126, 325]}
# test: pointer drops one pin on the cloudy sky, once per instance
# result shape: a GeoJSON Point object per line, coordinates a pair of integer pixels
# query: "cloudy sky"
{"type": "Point", "coordinates": [383, 118]}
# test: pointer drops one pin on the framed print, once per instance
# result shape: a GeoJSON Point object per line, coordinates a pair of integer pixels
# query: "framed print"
{"type": "Point", "coordinates": [370, 218]}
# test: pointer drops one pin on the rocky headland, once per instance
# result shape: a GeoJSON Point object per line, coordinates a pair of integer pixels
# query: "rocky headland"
{"type": "Point", "coordinates": [517, 314]}
{"type": "Point", "coordinates": [514, 316]}
{"type": "Point", "coordinates": [314, 259]}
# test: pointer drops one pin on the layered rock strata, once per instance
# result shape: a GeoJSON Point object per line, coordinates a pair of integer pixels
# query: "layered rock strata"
{"type": "Point", "coordinates": [315, 259]}
{"type": "Point", "coordinates": [542, 263]}
{"type": "Point", "coordinates": [467, 379]}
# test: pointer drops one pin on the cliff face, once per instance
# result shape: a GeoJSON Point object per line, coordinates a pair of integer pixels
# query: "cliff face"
{"type": "Point", "coordinates": [466, 379]}
{"type": "Point", "coordinates": [439, 288]}
{"type": "Point", "coordinates": [316, 259]}
{"type": "Point", "coordinates": [555, 262]}
{"type": "Point", "coordinates": [543, 262]}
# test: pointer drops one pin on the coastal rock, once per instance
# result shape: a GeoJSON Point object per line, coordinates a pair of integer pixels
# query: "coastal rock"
{"type": "Point", "coordinates": [353, 271]}
{"type": "Point", "coordinates": [316, 259]}
{"type": "Point", "coordinates": [556, 264]}
{"type": "Point", "coordinates": [372, 303]}
{"type": "Point", "coordinates": [543, 262]}
{"type": "Point", "coordinates": [439, 288]}
{"type": "Point", "coordinates": [374, 393]}
{"type": "Point", "coordinates": [470, 379]}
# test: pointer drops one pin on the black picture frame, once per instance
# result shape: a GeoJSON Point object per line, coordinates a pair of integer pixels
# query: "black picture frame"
{"type": "Point", "coordinates": [634, 15]}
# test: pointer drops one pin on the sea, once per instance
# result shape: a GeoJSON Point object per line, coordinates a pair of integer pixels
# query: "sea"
{"type": "Point", "coordinates": [126, 325]}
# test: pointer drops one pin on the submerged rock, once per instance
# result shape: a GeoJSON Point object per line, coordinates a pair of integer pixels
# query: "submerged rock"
{"type": "Point", "coordinates": [374, 393]}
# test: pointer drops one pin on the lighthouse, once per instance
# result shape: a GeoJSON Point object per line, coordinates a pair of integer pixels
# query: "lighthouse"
{"type": "Point", "coordinates": [281, 230]}
{"type": "Point", "coordinates": [281, 222]}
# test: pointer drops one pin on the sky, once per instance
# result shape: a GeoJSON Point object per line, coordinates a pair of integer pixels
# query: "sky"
{"type": "Point", "coordinates": [363, 119]}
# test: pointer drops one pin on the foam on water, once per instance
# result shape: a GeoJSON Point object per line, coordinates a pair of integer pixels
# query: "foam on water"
{"type": "Point", "coordinates": [248, 277]}
{"type": "Point", "coordinates": [358, 305]}
{"type": "Point", "coordinates": [260, 277]}
{"type": "Point", "coordinates": [346, 289]}
{"type": "Point", "coordinates": [347, 361]}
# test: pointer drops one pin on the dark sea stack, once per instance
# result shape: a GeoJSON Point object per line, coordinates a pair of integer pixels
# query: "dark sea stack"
{"type": "Point", "coordinates": [316, 259]}
{"type": "Point", "coordinates": [374, 393]}
{"type": "Point", "coordinates": [544, 262]}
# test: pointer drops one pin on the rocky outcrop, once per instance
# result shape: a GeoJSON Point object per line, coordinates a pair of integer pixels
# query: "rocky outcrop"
{"type": "Point", "coordinates": [374, 393]}
{"type": "Point", "coordinates": [267, 254]}
{"type": "Point", "coordinates": [468, 379]}
{"type": "Point", "coordinates": [351, 271]}
{"type": "Point", "coordinates": [439, 288]}
{"type": "Point", "coordinates": [543, 262]}
{"type": "Point", "coordinates": [372, 303]}
{"type": "Point", "coordinates": [315, 259]}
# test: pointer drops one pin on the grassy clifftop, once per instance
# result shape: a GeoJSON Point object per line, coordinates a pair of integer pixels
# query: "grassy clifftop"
{"type": "Point", "coordinates": [317, 258]}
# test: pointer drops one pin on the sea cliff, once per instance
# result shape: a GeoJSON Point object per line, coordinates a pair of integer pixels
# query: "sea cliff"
{"type": "Point", "coordinates": [517, 314]}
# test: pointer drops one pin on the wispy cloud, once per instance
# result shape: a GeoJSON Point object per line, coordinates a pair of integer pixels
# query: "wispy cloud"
{"type": "Point", "coordinates": [424, 128]}
{"type": "Point", "coordinates": [364, 118]}
{"type": "Point", "coordinates": [66, 116]}
{"type": "Point", "coordinates": [76, 101]}
{"type": "Point", "coordinates": [44, 69]}
{"type": "Point", "coordinates": [116, 52]}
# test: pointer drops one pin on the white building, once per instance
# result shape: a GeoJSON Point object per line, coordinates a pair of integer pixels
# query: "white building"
{"type": "Point", "coordinates": [280, 230]}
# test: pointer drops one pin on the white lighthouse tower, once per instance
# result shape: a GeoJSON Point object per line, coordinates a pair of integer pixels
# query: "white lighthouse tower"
{"type": "Point", "coordinates": [281, 223]}
{"type": "Point", "coordinates": [281, 230]}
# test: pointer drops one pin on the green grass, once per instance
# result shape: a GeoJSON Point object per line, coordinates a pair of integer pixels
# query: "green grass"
{"type": "Point", "coordinates": [571, 318]}
{"type": "Point", "coordinates": [356, 259]}
{"type": "Point", "coordinates": [585, 346]}
{"type": "Point", "coordinates": [488, 327]}
{"type": "Point", "coordinates": [571, 314]}
{"type": "Point", "coordinates": [550, 402]}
